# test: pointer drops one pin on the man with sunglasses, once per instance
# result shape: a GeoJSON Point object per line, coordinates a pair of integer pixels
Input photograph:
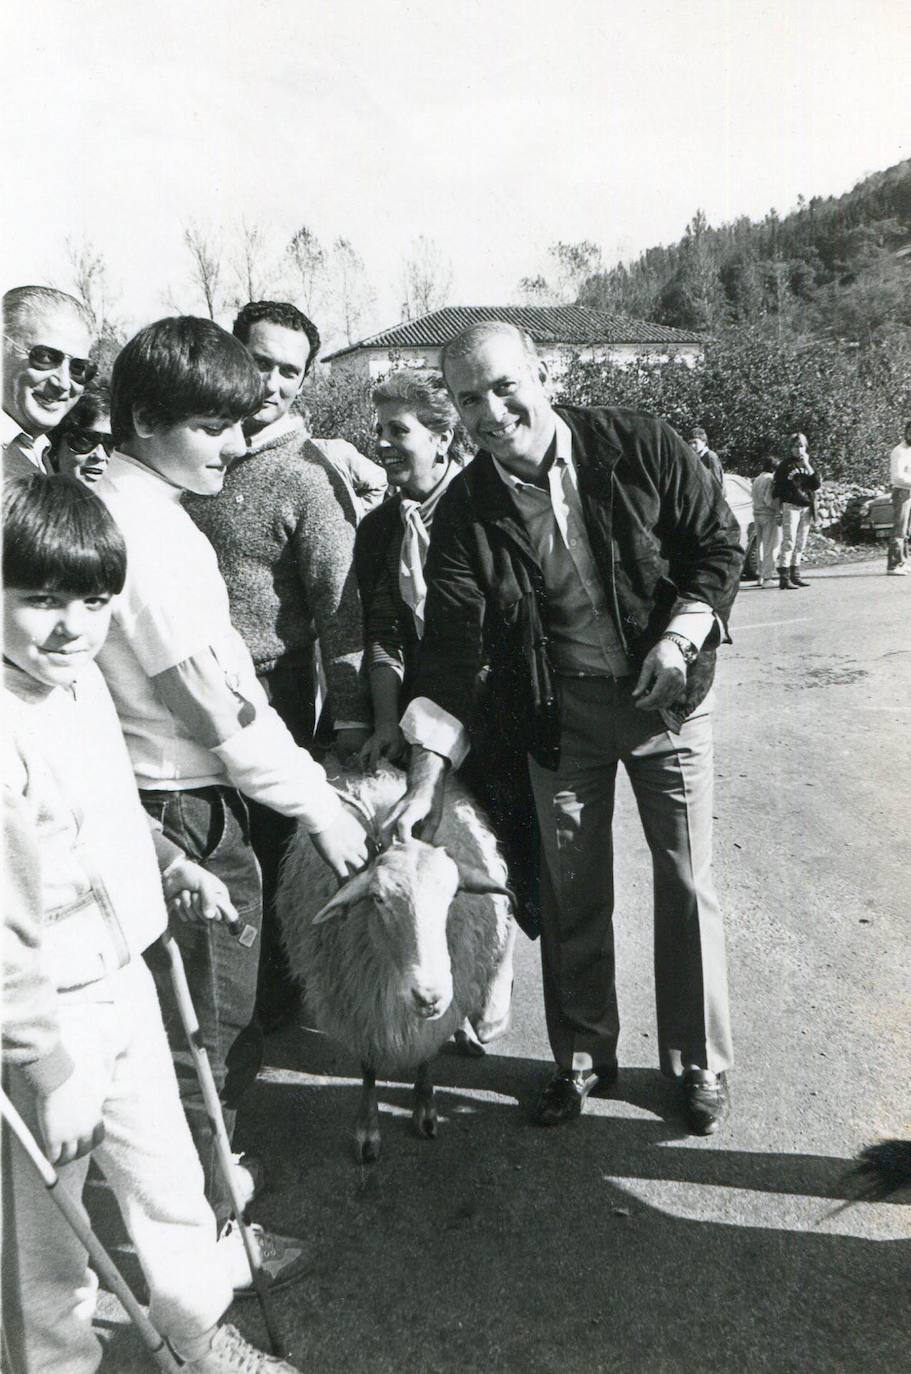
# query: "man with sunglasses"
{"type": "Point", "coordinates": [46, 368]}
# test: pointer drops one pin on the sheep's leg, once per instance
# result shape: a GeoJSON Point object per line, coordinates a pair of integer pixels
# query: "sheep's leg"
{"type": "Point", "coordinates": [466, 1042]}
{"type": "Point", "coordinates": [367, 1126]}
{"type": "Point", "coordinates": [424, 1115]}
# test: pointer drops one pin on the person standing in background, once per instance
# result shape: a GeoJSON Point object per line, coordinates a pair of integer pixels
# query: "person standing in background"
{"type": "Point", "coordinates": [795, 485]}
{"type": "Point", "coordinates": [699, 443]}
{"type": "Point", "coordinates": [900, 481]}
{"type": "Point", "coordinates": [766, 518]}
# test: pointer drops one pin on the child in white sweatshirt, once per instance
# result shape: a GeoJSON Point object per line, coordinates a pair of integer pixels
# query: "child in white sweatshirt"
{"type": "Point", "coordinates": [85, 1054]}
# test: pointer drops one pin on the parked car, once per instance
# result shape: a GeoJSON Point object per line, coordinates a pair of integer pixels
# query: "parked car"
{"type": "Point", "coordinates": [738, 492]}
{"type": "Point", "coordinates": [876, 517]}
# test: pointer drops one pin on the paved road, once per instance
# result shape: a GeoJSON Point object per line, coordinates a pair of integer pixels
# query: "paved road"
{"type": "Point", "coordinates": [619, 1244]}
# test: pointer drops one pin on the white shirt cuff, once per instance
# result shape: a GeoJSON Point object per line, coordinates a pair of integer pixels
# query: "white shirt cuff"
{"type": "Point", "coordinates": [693, 620]}
{"type": "Point", "coordinates": [428, 725]}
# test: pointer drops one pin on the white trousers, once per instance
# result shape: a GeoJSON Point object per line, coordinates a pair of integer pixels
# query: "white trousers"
{"type": "Point", "coordinates": [795, 527]}
{"type": "Point", "coordinates": [768, 538]}
{"type": "Point", "coordinates": [113, 1031]}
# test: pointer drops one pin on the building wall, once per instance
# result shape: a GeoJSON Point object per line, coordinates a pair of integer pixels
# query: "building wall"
{"type": "Point", "coordinates": [367, 364]}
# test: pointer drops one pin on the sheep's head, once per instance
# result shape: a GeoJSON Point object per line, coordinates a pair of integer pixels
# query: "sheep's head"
{"type": "Point", "coordinates": [410, 888]}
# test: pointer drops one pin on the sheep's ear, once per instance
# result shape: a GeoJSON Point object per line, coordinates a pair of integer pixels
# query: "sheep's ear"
{"type": "Point", "coordinates": [347, 894]}
{"type": "Point", "coordinates": [477, 881]}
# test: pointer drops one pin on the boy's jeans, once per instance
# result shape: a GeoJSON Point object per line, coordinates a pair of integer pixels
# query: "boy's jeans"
{"type": "Point", "coordinates": [211, 826]}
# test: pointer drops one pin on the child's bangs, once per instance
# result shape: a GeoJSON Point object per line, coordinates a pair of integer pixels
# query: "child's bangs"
{"type": "Point", "coordinates": [58, 536]}
{"type": "Point", "coordinates": [230, 386]}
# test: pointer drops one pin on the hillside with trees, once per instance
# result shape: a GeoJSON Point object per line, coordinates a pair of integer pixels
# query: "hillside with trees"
{"type": "Point", "coordinates": [807, 321]}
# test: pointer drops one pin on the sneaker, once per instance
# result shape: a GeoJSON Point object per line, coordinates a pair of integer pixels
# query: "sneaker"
{"type": "Point", "coordinates": [229, 1353]}
{"type": "Point", "coordinates": [249, 1178]}
{"type": "Point", "coordinates": [896, 572]}
{"type": "Point", "coordinates": [282, 1258]}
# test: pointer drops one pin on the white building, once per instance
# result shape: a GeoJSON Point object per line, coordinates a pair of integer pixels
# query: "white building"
{"type": "Point", "coordinates": [558, 330]}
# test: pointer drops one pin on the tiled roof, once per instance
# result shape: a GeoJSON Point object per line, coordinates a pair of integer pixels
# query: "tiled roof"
{"type": "Point", "coordinates": [547, 324]}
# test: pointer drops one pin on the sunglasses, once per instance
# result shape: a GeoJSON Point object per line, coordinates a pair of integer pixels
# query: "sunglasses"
{"type": "Point", "coordinates": [45, 359]}
{"type": "Point", "coordinates": [84, 440]}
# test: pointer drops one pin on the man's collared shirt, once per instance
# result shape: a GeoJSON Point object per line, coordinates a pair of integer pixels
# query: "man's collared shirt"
{"type": "Point", "coordinates": [14, 439]}
{"type": "Point", "coordinates": [583, 635]}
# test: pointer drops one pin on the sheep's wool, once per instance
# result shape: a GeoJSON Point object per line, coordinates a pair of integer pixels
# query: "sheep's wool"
{"type": "Point", "coordinates": [351, 976]}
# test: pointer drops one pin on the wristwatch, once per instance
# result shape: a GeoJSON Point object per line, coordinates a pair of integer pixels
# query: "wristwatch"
{"type": "Point", "coordinates": [686, 646]}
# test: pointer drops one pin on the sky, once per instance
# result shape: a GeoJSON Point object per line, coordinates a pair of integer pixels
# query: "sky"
{"type": "Point", "coordinates": [494, 127]}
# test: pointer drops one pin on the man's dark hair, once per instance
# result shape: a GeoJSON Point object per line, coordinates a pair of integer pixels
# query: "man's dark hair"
{"type": "Point", "coordinates": [178, 367]}
{"type": "Point", "coordinates": [93, 405]}
{"type": "Point", "coordinates": [699, 433]}
{"type": "Point", "coordinates": [769, 464]}
{"type": "Point", "coordinates": [282, 313]}
{"type": "Point", "coordinates": [59, 536]}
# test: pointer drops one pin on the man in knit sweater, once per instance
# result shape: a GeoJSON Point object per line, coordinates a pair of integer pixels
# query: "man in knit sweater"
{"type": "Point", "coordinates": [283, 530]}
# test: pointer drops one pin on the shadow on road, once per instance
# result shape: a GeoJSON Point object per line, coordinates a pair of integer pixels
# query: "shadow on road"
{"type": "Point", "coordinates": [608, 1245]}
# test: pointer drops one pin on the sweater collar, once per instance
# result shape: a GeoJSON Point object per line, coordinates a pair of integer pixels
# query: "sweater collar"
{"type": "Point", "coordinates": [278, 432]}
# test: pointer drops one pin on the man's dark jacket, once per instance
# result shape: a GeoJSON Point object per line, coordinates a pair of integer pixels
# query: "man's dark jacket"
{"type": "Point", "coordinates": [659, 530]}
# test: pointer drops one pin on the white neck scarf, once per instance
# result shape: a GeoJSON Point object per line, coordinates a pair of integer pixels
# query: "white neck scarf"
{"type": "Point", "coordinates": [417, 517]}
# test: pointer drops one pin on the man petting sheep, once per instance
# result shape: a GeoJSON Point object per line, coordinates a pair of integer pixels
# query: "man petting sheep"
{"type": "Point", "coordinates": [583, 568]}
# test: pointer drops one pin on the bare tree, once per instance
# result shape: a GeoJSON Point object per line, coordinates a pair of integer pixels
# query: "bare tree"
{"type": "Point", "coordinates": [253, 265]}
{"type": "Point", "coordinates": [426, 278]}
{"type": "Point", "coordinates": [536, 291]}
{"type": "Point", "coordinates": [309, 266]}
{"type": "Point", "coordinates": [91, 285]}
{"type": "Point", "coordinates": [352, 294]}
{"type": "Point", "coordinates": [205, 270]}
{"type": "Point", "coordinates": [572, 265]}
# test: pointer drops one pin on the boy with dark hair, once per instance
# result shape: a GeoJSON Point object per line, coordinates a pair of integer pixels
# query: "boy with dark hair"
{"type": "Point", "coordinates": [283, 529]}
{"type": "Point", "coordinates": [85, 1054]}
{"type": "Point", "coordinates": [201, 733]}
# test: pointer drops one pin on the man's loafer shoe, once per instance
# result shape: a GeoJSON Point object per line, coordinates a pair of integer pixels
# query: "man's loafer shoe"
{"type": "Point", "coordinates": [706, 1101]}
{"type": "Point", "coordinates": [564, 1096]}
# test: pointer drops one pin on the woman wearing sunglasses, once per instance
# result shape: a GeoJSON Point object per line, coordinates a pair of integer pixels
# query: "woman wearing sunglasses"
{"type": "Point", "coordinates": [82, 444]}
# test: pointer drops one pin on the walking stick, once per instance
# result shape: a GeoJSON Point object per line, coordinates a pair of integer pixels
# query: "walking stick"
{"type": "Point", "coordinates": [212, 1101]}
{"type": "Point", "coordinates": [77, 1222]}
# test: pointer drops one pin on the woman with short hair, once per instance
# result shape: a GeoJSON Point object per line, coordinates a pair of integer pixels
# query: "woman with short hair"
{"type": "Point", "coordinates": [795, 485]}
{"type": "Point", "coordinates": [417, 445]}
{"type": "Point", "coordinates": [81, 444]}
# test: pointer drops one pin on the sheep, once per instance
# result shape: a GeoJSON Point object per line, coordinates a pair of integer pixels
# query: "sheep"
{"type": "Point", "coordinates": [399, 957]}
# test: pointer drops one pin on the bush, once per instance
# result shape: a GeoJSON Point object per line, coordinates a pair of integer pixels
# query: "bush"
{"type": "Point", "coordinates": [340, 408]}
{"type": "Point", "coordinates": [750, 391]}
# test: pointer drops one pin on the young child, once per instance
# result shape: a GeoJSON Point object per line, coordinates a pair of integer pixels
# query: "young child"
{"type": "Point", "coordinates": [85, 1055]}
{"type": "Point", "coordinates": [201, 734]}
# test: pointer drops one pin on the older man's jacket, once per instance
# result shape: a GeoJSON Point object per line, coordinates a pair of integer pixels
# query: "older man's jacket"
{"type": "Point", "coordinates": [660, 530]}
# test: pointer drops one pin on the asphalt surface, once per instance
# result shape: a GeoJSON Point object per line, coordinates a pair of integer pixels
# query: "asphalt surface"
{"type": "Point", "coordinates": [619, 1243]}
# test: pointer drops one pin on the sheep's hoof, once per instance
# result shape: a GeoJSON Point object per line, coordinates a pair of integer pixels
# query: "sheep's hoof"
{"type": "Point", "coordinates": [467, 1046]}
{"type": "Point", "coordinates": [425, 1120]}
{"type": "Point", "coordinates": [366, 1147]}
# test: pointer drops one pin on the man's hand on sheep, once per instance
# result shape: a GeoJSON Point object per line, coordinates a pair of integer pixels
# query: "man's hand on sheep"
{"type": "Point", "coordinates": [343, 845]}
{"type": "Point", "coordinates": [386, 742]}
{"type": "Point", "coordinates": [421, 807]}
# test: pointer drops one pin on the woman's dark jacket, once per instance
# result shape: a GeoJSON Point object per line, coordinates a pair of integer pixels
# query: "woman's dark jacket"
{"type": "Point", "coordinates": [499, 784]}
{"type": "Point", "coordinates": [660, 530]}
{"type": "Point", "coordinates": [388, 620]}
{"type": "Point", "coordinates": [793, 485]}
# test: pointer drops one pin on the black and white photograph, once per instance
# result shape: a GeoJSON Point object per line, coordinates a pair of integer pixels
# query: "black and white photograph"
{"type": "Point", "coordinates": [455, 913]}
